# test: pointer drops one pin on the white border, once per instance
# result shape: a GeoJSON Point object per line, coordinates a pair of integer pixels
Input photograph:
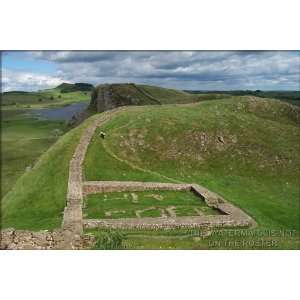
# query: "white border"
{"type": "Point", "coordinates": [150, 24]}
{"type": "Point", "coordinates": [149, 275]}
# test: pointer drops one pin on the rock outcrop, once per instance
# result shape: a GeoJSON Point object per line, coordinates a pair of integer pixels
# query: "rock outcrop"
{"type": "Point", "coordinates": [109, 96]}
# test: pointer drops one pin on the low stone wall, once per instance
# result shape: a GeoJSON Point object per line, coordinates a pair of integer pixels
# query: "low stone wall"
{"type": "Point", "coordinates": [92, 187]}
{"type": "Point", "coordinates": [165, 222]}
{"type": "Point", "coordinates": [41, 240]}
{"type": "Point", "coordinates": [73, 219]}
{"type": "Point", "coordinates": [216, 201]}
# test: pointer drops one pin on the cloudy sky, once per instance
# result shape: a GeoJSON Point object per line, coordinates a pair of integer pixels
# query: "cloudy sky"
{"type": "Point", "coordinates": [202, 70]}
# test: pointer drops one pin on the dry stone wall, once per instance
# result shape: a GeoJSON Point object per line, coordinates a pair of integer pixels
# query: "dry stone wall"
{"type": "Point", "coordinates": [41, 240]}
{"type": "Point", "coordinates": [93, 187]}
{"type": "Point", "coordinates": [73, 219]}
{"type": "Point", "coordinates": [164, 222]}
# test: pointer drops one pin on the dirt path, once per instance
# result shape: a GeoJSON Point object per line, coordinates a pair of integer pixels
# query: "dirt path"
{"type": "Point", "coordinates": [130, 164]}
{"type": "Point", "coordinates": [133, 166]}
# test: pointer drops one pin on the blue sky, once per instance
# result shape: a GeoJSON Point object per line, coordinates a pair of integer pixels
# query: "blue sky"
{"type": "Point", "coordinates": [22, 61]}
{"type": "Point", "coordinates": [198, 70]}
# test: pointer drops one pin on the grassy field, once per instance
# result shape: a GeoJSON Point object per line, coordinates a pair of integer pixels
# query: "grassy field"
{"type": "Point", "coordinates": [196, 239]}
{"type": "Point", "coordinates": [24, 137]}
{"type": "Point", "coordinates": [23, 140]}
{"type": "Point", "coordinates": [292, 97]}
{"type": "Point", "coordinates": [149, 204]}
{"type": "Point", "coordinates": [38, 198]}
{"type": "Point", "coordinates": [42, 99]}
{"type": "Point", "coordinates": [247, 150]}
{"type": "Point", "coordinates": [171, 96]}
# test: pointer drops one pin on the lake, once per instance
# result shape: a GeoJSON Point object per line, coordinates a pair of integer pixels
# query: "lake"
{"type": "Point", "coordinates": [60, 113]}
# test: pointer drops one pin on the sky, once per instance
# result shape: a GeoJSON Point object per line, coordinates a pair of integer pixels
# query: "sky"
{"type": "Point", "coordinates": [186, 70]}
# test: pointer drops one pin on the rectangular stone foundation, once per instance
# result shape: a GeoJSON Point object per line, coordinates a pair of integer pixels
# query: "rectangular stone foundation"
{"type": "Point", "coordinates": [231, 216]}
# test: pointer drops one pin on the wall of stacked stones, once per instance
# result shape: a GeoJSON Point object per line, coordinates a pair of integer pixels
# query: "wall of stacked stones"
{"type": "Point", "coordinates": [41, 240]}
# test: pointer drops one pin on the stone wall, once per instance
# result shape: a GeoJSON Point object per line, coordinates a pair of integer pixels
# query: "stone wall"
{"type": "Point", "coordinates": [92, 187]}
{"type": "Point", "coordinates": [41, 240]}
{"type": "Point", "coordinates": [73, 219]}
{"type": "Point", "coordinates": [165, 222]}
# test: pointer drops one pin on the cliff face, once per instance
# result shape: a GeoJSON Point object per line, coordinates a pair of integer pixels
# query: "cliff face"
{"type": "Point", "coordinates": [109, 96]}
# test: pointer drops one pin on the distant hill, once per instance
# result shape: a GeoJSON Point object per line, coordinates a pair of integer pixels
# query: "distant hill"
{"type": "Point", "coordinates": [65, 93]}
{"type": "Point", "coordinates": [292, 97]}
{"type": "Point", "coordinates": [109, 96]}
{"type": "Point", "coordinates": [70, 87]}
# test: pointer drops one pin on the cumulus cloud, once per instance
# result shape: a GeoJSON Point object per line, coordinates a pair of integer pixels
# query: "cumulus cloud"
{"type": "Point", "coordinates": [211, 70]}
{"type": "Point", "coordinates": [17, 80]}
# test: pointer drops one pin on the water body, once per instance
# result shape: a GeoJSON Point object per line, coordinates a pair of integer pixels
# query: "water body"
{"type": "Point", "coordinates": [60, 113]}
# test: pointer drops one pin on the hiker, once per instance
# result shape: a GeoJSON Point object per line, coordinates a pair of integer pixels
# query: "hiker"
{"type": "Point", "coordinates": [102, 134]}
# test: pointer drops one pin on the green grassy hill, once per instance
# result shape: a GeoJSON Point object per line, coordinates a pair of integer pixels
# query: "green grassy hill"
{"type": "Point", "coordinates": [234, 147]}
{"type": "Point", "coordinates": [38, 198]}
{"type": "Point", "coordinates": [70, 87]}
{"type": "Point", "coordinates": [24, 136]}
{"type": "Point", "coordinates": [63, 94]}
{"type": "Point", "coordinates": [245, 149]}
{"type": "Point", "coordinates": [23, 139]}
{"type": "Point", "coordinates": [292, 97]}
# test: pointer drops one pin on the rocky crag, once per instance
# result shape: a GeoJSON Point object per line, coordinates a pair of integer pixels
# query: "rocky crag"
{"type": "Point", "coordinates": [110, 96]}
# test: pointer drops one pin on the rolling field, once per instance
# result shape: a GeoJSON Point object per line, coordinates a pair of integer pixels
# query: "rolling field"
{"type": "Point", "coordinates": [23, 140]}
{"type": "Point", "coordinates": [38, 197]}
{"type": "Point", "coordinates": [24, 136]}
{"type": "Point", "coordinates": [42, 99]}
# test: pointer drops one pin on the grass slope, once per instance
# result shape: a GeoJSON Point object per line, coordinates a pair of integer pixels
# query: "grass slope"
{"type": "Point", "coordinates": [234, 147]}
{"type": "Point", "coordinates": [168, 96]}
{"type": "Point", "coordinates": [23, 140]}
{"type": "Point", "coordinates": [292, 97]}
{"type": "Point", "coordinates": [38, 198]}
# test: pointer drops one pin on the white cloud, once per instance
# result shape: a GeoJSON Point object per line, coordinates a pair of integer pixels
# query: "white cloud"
{"type": "Point", "coordinates": [218, 70]}
{"type": "Point", "coordinates": [25, 81]}
{"type": "Point", "coordinates": [185, 70]}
